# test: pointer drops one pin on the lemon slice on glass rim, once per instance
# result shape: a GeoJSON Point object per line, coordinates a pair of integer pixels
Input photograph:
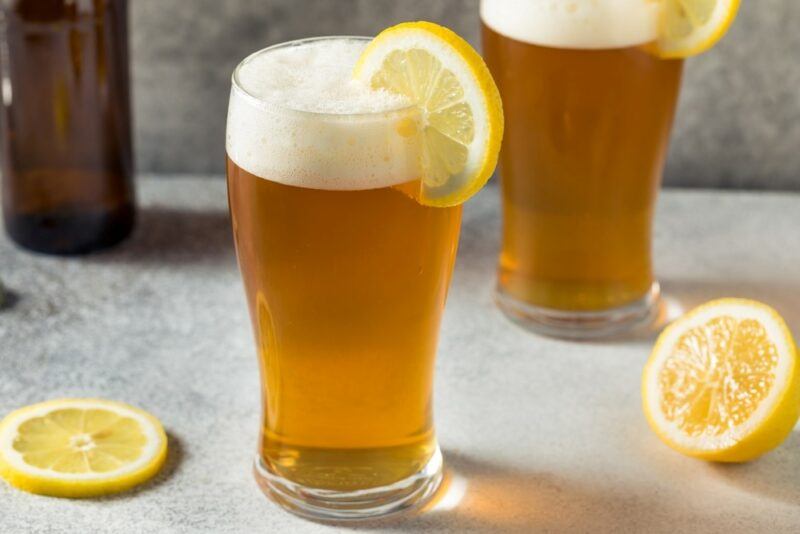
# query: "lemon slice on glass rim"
{"type": "Point", "coordinates": [723, 382]}
{"type": "Point", "coordinates": [80, 447]}
{"type": "Point", "coordinates": [690, 27]}
{"type": "Point", "coordinates": [460, 108]}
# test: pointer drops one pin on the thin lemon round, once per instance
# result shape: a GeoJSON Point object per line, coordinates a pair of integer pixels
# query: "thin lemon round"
{"type": "Point", "coordinates": [723, 382]}
{"type": "Point", "coordinates": [461, 114]}
{"type": "Point", "coordinates": [690, 27]}
{"type": "Point", "coordinates": [80, 447]}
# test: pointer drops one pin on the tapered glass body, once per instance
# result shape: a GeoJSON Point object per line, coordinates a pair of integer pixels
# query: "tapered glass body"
{"type": "Point", "coordinates": [586, 136]}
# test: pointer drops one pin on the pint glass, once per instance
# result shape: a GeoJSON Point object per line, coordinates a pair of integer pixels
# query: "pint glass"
{"type": "Point", "coordinates": [588, 117]}
{"type": "Point", "coordinates": [346, 278]}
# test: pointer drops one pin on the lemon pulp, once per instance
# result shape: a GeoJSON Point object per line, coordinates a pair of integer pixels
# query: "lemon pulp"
{"type": "Point", "coordinates": [720, 374]}
{"type": "Point", "coordinates": [72, 440]}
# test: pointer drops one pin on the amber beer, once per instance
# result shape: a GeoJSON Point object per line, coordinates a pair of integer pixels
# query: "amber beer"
{"type": "Point", "coordinates": [346, 291]}
{"type": "Point", "coordinates": [587, 128]}
{"type": "Point", "coordinates": [346, 277]}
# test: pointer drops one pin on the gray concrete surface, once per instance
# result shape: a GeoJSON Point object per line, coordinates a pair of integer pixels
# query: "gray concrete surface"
{"type": "Point", "coordinates": [539, 435]}
{"type": "Point", "coordinates": [738, 124]}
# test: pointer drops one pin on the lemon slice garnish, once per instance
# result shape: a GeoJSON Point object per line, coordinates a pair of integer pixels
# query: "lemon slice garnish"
{"type": "Point", "coordinates": [690, 27]}
{"type": "Point", "coordinates": [460, 108]}
{"type": "Point", "coordinates": [80, 447]}
{"type": "Point", "coordinates": [722, 382]}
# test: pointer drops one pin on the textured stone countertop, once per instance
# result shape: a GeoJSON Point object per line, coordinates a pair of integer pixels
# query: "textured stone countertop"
{"type": "Point", "coordinates": [539, 435]}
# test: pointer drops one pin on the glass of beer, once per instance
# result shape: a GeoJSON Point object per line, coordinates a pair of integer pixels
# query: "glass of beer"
{"type": "Point", "coordinates": [588, 118]}
{"type": "Point", "coordinates": [345, 276]}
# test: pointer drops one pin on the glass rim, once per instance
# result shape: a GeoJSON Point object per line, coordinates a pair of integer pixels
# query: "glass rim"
{"type": "Point", "coordinates": [272, 105]}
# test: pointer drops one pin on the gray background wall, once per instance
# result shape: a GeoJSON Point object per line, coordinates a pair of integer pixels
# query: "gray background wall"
{"type": "Point", "coordinates": [738, 123]}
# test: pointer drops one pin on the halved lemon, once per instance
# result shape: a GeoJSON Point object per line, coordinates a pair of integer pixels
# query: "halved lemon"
{"type": "Point", "coordinates": [690, 27]}
{"type": "Point", "coordinates": [460, 108]}
{"type": "Point", "coordinates": [723, 382]}
{"type": "Point", "coordinates": [80, 447]}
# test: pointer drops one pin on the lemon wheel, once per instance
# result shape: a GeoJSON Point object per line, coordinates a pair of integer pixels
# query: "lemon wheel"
{"type": "Point", "coordinates": [80, 447]}
{"type": "Point", "coordinates": [460, 108]}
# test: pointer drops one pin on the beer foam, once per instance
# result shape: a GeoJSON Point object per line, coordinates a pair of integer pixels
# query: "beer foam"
{"type": "Point", "coordinates": [297, 117]}
{"type": "Point", "coordinates": [582, 24]}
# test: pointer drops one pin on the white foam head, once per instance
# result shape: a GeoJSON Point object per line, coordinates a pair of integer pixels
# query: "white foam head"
{"type": "Point", "coordinates": [297, 117]}
{"type": "Point", "coordinates": [589, 24]}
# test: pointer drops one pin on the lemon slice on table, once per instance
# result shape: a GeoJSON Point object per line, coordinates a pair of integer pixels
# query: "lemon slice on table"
{"type": "Point", "coordinates": [690, 27]}
{"type": "Point", "coordinates": [80, 447]}
{"type": "Point", "coordinates": [723, 382]}
{"type": "Point", "coordinates": [460, 108]}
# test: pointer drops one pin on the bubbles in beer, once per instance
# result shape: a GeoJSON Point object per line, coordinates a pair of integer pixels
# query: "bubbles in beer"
{"type": "Point", "coordinates": [590, 24]}
{"type": "Point", "coordinates": [297, 117]}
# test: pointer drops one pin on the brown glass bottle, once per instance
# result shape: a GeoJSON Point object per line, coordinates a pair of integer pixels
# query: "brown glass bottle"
{"type": "Point", "coordinates": [66, 127]}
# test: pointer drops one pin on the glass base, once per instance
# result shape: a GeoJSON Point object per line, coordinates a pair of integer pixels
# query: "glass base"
{"type": "Point", "coordinates": [330, 505]}
{"type": "Point", "coordinates": [581, 324]}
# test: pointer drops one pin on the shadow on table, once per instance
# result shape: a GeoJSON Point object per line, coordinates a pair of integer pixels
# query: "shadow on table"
{"type": "Point", "coordinates": [481, 497]}
{"type": "Point", "coordinates": [8, 300]}
{"type": "Point", "coordinates": [775, 475]}
{"type": "Point", "coordinates": [175, 457]}
{"type": "Point", "coordinates": [171, 236]}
